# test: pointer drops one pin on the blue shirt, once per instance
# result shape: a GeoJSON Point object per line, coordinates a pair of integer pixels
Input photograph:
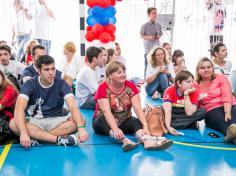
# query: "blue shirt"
{"type": "Point", "coordinates": [43, 101]}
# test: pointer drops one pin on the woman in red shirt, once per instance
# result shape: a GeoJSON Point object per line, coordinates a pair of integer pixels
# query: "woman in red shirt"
{"type": "Point", "coordinates": [114, 99]}
{"type": "Point", "coordinates": [8, 95]}
{"type": "Point", "coordinates": [216, 97]}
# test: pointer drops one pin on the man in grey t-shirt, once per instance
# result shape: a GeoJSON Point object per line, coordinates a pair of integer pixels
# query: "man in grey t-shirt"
{"type": "Point", "coordinates": [150, 32]}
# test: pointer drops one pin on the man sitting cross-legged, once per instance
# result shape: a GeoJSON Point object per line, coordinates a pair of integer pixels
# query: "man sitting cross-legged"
{"type": "Point", "coordinates": [42, 97]}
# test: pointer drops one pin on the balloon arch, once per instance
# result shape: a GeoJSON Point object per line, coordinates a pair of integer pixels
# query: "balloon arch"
{"type": "Point", "coordinates": [101, 20]}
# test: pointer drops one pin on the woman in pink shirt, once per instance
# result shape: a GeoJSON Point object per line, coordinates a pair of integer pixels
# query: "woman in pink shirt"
{"type": "Point", "coordinates": [216, 97]}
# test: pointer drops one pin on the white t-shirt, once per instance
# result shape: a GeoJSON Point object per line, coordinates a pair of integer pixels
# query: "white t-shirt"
{"type": "Point", "coordinates": [100, 73]}
{"type": "Point", "coordinates": [217, 15]}
{"type": "Point", "coordinates": [86, 84]}
{"type": "Point", "coordinates": [14, 67]}
{"type": "Point", "coordinates": [21, 24]}
{"type": "Point", "coordinates": [42, 22]}
{"type": "Point", "coordinates": [225, 69]}
{"type": "Point", "coordinates": [73, 68]}
{"type": "Point", "coordinates": [152, 70]}
{"type": "Point", "coordinates": [122, 60]}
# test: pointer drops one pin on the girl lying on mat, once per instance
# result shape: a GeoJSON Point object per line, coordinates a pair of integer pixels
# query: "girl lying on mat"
{"type": "Point", "coordinates": [114, 99]}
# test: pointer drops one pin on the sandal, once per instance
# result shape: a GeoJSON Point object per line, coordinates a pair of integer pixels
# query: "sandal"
{"type": "Point", "coordinates": [156, 95]}
{"type": "Point", "coordinates": [157, 143]}
{"type": "Point", "coordinates": [129, 145]}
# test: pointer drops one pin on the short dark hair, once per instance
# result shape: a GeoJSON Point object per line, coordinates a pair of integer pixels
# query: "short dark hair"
{"type": "Point", "coordinates": [164, 44]}
{"type": "Point", "coordinates": [37, 47]}
{"type": "Point", "coordinates": [44, 59]}
{"type": "Point", "coordinates": [182, 75]}
{"type": "Point", "coordinates": [150, 9]}
{"type": "Point", "coordinates": [6, 48]}
{"type": "Point", "coordinates": [92, 52]}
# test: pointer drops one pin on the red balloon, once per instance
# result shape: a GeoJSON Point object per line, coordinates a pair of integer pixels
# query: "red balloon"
{"type": "Point", "coordinates": [88, 28]}
{"type": "Point", "coordinates": [92, 3]}
{"type": "Point", "coordinates": [113, 2]}
{"type": "Point", "coordinates": [119, 0]}
{"type": "Point", "coordinates": [104, 37]}
{"type": "Point", "coordinates": [97, 29]}
{"type": "Point", "coordinates": [113, 37]}
{"type": "Point", "coordinates": [90, 36]}
{"type": "Point", "coordinates": [110, 28]}
{"type": "Point", "coordinates": [104, 3]}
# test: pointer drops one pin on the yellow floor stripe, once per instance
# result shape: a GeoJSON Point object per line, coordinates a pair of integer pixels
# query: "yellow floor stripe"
{"type": "Point", "coordinates": [4, 154]}
{"type": "Point", "coordinates": [203, 146]}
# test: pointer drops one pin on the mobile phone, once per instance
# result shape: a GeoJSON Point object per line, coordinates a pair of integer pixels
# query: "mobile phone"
{"type": "Point", "coordinates": [213, 135]}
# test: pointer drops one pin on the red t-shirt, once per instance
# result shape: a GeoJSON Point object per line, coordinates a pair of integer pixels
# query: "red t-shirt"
{"type": "Point", "coordinates": [120, 104]}
{"type": "Point", "coordinates": [171, 95]}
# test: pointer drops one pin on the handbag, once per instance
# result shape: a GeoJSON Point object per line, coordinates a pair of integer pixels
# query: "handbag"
{"type": "Point", "coordinates": [155, 120]}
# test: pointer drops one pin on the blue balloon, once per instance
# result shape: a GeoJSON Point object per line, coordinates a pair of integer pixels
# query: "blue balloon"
{"type": "Point", "coordinates": [112, 20]}
{"type": "Point", "coordinates": [89, 11]}
{"type": "Point", "coordinates": [110, 11]}
{"type": "Point", "coordinates": [91, 20]}
{"type": "Point", "coordinates": [97, 11]}
{"type": "Point", "coordinates": [104, 21]}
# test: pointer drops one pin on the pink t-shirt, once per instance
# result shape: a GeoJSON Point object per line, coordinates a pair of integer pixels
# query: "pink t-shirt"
{"type": "Point", "coordinates": [120, 104]}
{"type": "Point", "coordinates": [216, 93]}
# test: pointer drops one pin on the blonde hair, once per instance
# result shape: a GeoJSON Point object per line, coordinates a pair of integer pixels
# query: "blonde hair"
{"type": "Point", "coordinates": [197, 75]}
{"type": "Point", "coordinates": [29, 45]}
{"type": "Point", "coordinates": [70, 46]}
{"type": "Point", "coordinates": [151, 56]}
{"type": "Point", "coordinates": [113, 66]}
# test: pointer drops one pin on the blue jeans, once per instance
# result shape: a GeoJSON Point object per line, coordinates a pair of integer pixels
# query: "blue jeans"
{"type": "Point", "coordinates": [21, 41]}
{"type": "Point", "coordinates": [145, 64]}
{"type": "Point", "coordinates": [46, 44]}
{"type": "Point", "coordinates": [160, 83]}
{"type": "Point", "coordinates": [215, 119]}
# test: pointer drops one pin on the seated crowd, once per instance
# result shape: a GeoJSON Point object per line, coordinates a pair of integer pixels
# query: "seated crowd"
{"type": "Point", "coordinates": [32, 105]}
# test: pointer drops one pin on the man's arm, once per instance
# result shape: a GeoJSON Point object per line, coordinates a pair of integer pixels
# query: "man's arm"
{"type": "Point", "coordinates": [19, 116]}
{"type": "Point", "coordinates": [77, 118]}
{"type": "Point", "coordinates": [49, 11]}
{"type": "Point", "coordinates": [148, 37]}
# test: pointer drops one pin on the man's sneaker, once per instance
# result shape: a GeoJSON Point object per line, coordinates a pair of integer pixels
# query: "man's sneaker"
{"type": "Point", "coordinates": [230, 133]}
{"type": "Point", "coordinates": [67, 140]}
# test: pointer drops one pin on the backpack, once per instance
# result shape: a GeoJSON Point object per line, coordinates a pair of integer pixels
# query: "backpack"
{"type": "Point", "coordinates": [155, 120]}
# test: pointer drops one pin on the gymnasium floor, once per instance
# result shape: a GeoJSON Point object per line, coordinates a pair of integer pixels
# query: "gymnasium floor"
{"type": "Point", "coordinates": [195, 153]}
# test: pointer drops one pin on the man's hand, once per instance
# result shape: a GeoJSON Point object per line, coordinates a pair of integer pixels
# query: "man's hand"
{"type": "Point", "coordinates": [83, 135]}
{"type": "Point", "coordinates": [25, 140]}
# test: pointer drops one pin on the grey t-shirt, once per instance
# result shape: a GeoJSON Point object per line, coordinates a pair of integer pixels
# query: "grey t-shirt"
{"type": "Point", "coordinates": [153, 29]}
